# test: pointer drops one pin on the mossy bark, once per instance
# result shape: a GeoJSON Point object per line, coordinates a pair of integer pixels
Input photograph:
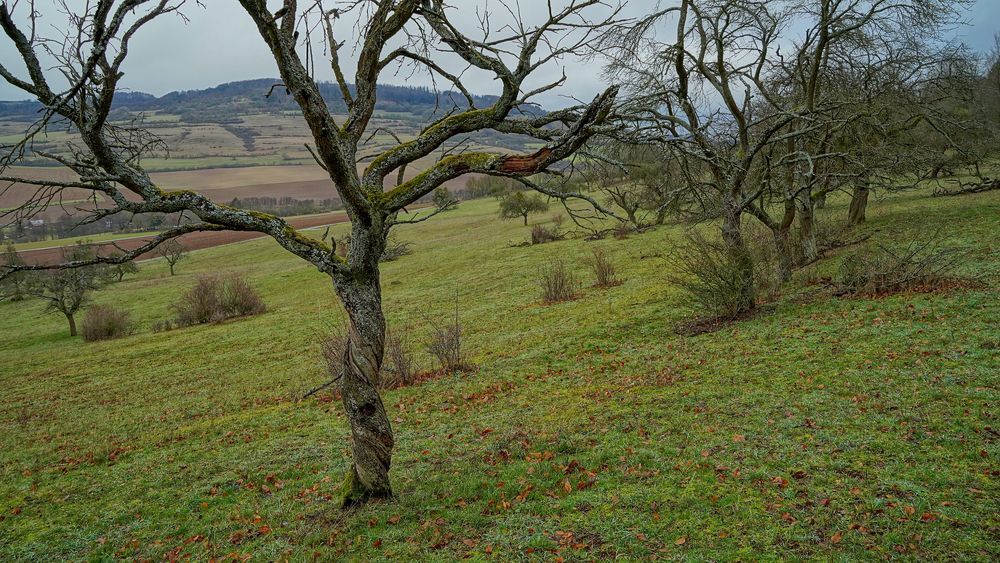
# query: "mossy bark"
{"type": "Point", "coordinates": [859, 206]}
{"type": "Point", "coordinates": [371, 433]}
{"type": "Point", "coordinates": [739, 253]}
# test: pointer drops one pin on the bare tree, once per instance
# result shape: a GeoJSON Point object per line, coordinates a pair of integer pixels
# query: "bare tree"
{"type": "Point", "coordinates": [67, 290]}
{"type": "Point", "coordinates": [519, 205]}
{"type": "Point", "coordinates": [172, 251]}
{"type": "Point", "coordinates": [743, 88]}
{"type": "Point", "coordinates": [13, 287]}
{"type": "Point", "coordinates": [517, 54]}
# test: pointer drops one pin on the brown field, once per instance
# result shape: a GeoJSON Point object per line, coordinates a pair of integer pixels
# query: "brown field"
{"type": "Point", "coordinates": [193, 241]}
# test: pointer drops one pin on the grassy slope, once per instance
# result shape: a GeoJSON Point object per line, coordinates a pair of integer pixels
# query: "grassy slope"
{"type": "Point", "coordinates": [590, 430]}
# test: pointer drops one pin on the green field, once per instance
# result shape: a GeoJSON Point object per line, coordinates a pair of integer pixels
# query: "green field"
{"type": "Point", "coordinates": [830, 429]}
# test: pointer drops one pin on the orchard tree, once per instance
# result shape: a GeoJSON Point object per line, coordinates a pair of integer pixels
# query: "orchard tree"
{"type": "Point", "coordinates": [518, 204]}
{"type": "Point", "coordinates": [172, 251]}
{"type": "Point", "coordinates": [747, 91]}
{"type": "Point", "coordinates": [67, 290]}
{"type": "Point", "coordinates": [517, 53]}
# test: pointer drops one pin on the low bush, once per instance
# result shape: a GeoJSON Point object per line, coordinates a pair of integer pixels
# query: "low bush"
{"type": "Point", "coordinates": [605, 273]}
{"type": "Point", "coordinates": [884, 270]}
{"type": "Point", "coordinates": [215, 299]}
{"type": "Point", "coordinates": [396, 249]}
{"type": "Point", "coordinates": [334, 349]}
{"type": "Point", "coordinates": [558, 283]}
{"type": "Point", "coordinates": [399, 369]}
{"type": "Point", "coordinates": [102, 322]}
{"type": "Point", "coordinates": [238, 298]}
{"type": "Point", "coordinates": [446, 346]}
{"type": "Point", "coordinates": [710, 274]}
{"type": "Point", "coordinates": [540, 234]}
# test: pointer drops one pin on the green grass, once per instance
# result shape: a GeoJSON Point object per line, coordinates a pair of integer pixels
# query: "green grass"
{"type": "Point", "coordinates": [589, 431]}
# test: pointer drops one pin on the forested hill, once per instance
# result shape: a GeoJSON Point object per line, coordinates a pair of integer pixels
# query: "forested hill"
{"type": "Point", "coordinates": [227, 102]}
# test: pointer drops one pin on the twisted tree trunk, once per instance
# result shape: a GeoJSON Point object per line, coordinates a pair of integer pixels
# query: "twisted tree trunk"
{"type": "Point", "coordinates": [732, 235]}
{"type": "Point", "coordinates": [859, 205]}
{"type": "Point", "coordinates": [371, 433]}
{"type": "Point", "coordinates": [807, 228]}
{"type": "Point", "coordinates": [72, 323]}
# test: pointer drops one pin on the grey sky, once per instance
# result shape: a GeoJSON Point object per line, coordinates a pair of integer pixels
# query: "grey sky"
{"type": "Point", "coordinates": [220, 45]}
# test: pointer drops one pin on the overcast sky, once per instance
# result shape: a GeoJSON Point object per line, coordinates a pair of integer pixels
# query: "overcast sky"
{"type": "Point", "coordinates": [219, 44]}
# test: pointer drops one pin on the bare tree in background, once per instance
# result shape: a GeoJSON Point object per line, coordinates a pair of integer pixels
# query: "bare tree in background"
{"type": "Point", "coordinates": [742, 87]}
{"type": "Point", "coordinates": [172, 251]}
{"type": "Point", "coordinates": [517, 54]}
{"type": "Point", "coordinates": [67, 290]}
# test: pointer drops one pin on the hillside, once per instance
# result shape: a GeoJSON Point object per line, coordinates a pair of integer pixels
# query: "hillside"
{"type": "Point", "coordinates": [831, 428]}
{"type": "Point", "coordinates": [225, 103]}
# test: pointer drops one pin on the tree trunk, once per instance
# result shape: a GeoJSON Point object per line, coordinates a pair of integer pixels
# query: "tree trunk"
{"type": "Point", "coordinates": [859, 205]}
{"type": "Point", "coordinates": [371, 432]}
{"type": "Point", "coordinates": [783, 245]}
{"type": "Point", "coordinates": [525, 219]}
{"type": "Point", "coordinates": [807, 228]}
{"type": "Point", "coordinates": [171, 268]}
{"type": "Point", "coordinates": [732, 235]}
{"type": "Point", "coordinates": [72, 324]}
{"type": "Point", "coordinates": [821, 201]}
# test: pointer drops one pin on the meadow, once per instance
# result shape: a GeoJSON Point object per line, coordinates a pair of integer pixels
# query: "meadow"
{"type": "Point", "coordinates": [830, 428]}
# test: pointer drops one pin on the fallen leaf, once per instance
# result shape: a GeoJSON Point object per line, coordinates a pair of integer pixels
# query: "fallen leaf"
{"type": "Point", "coordinates": [836, 537]}
{"type": "Point", "coordinates": [681, 540]}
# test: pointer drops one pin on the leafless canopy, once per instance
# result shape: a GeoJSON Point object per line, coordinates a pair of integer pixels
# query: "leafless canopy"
{"type": "Point", "coordinates": [78, 90]}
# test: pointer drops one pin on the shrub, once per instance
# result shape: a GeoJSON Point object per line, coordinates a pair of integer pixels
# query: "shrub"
{"type": "Point", "coordinates": [200, 304]}
{"type": "Point", "coordinates": [163, 325]}
{"type": "Point", "coordinates": [541, 234]}
{"type": "Point", "coordinates": [214, 299]}
{"type": "Point", "coordinates": [334, 349]}
{"type": "Point", "coordinates": [102, 322]}
{"type": "Point", "coordinates": [395, 249]}
{"type": "Point", "coordinates": [446, 345]}
{"type": "Point", "coordinates": [399, 369]}
{"type": "Point", "coordinates": [558, 283]}
{"type": "Point", "coordinates": [557, 220]}
{"type": "Point", "coordinates": [622, 231]}
{"type": "Point", "coordinates": [605, 273]}
{"type": "Point", "coordinates": [709, 273]}
{"type": "Point", "coordinates": [238, 298]}
{"type": "Point", "coordinates": [882, 270]}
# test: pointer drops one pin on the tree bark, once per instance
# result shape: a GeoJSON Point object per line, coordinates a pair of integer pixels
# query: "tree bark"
{"type": "Point", "coordinates": [525, 219]}
{"type": "Point", "coordinates": [72, 323]}
{"type": "Point", "coordinates": [821, 201]}
{"type": "Point", "coordinates": [859, 206]}
{"type": "Point", "coordinates": [807, 228]}
{"type": "Point", "coordinates": [732, 235]}
{"type": "Point", "coordinates": [371, 433]}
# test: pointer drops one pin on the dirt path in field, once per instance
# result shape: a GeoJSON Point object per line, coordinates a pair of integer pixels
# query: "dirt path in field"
{"type": "Point", "coordinates": [193, 241]}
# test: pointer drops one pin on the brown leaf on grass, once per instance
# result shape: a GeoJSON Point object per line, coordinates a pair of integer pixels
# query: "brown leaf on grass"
{"type": "Point", "coordinates": [567, 486]}
{"type": "Point", "coordinates": [836, 537]}
{"type": "Point", "coordinates": [739, 438]}
{"type": "Point", "coordinates": [681, 540]}
{"type": "Point", "coordinates": [394, 520]}
{"type": "Point", "coordinates": [909, 509]}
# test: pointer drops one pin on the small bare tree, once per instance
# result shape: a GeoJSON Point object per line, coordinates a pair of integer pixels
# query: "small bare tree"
{"type": "Point", "coordinates": [68, 290]}
{"type": "Point", "coordinates": [172, 251]}
{"type": "Point", "coordinates": [518, 204]}
{"type": "Point", "coordinates": [512, 50]}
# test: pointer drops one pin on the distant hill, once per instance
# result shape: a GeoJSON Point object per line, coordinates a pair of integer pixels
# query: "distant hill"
{"type": "Point", "coordinates": [227, 102]}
